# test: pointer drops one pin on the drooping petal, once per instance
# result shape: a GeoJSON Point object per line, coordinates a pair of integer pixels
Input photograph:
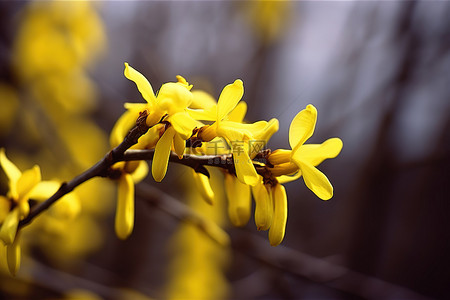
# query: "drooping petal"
{"type": "Point", "coordinates": [239, 201]}
{"type": "Point", "coordinates": [238, 113]}
{"type": "Point", "coordinates": [11, 171]}
{"type": "Point", "coordinates": [124, 221]}
{"type": "Point", "coordinates": [263, 206]}
{"type": "Point", "coordinates": [162, 152]}
{"type": "Point", "coordinates": [179, 145]}
{"type": "Point", "coordinates": [302, 126]}
{"type": "Point", "coordinates": [13, 254]}
{"type": "Point", "coordinates": [245, 171]}
{"type": "Point", "coordinates": [229, 98]}
{"type": "Point", "coordinates": [204, 187]}
{"type": "Point", "coordinates": [183, 124]}
{"type": "Point", "coordinates": [316, 181]}
{"type": "Point", "coordinates": [317, 153]}
{"type": "Point", "coordinates": [278, 227]}
{"type": "Point", "coordinates": [29, 179]}
{"type": "Point", "coordinates": [142, 84]}
{"type": "Point", "coordinates": [8, 229]}
{"type": "Point", "coordinates": [140, 172]}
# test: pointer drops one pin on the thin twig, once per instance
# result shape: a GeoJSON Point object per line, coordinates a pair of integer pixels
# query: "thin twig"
{"type": "Point", "coordinates": [181, 212]}
{"type": "Point", "coordinates": [99, 169]}
{"type": "Point", "coordinates": [121, 153]}
{"type": "Point", "coordinates": [319, 270]}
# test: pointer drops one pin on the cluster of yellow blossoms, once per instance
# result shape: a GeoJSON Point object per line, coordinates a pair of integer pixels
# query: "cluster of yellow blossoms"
{"type": "Point", "coordinates": [191, 122]}
{"type": "Point", "coordinates": [15, 205]}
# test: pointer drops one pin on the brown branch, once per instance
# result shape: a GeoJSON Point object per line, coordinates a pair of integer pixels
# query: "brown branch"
{"type": "Point", "coordinates": [182, 212]}
{"type": "Point", "coordinates": [319, 270]}
{"type": "Point", "coordinates": [99, 169]}
{"type": "Point", "coordinates": [121, 153]}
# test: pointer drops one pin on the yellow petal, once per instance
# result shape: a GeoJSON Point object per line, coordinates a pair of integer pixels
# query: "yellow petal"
{"type": "Point", "coordinates": [11, 171]}
{"type": "Point", "coordinates": [126, 121]}
{"type": "Point", "coordinates": [179, 145]}
{"type": "Point", "coordinates": [13, 256]}
{"type": "Point", "coordinates": [316, 181]}
{"type": "Point", "coordinates": [263, 206]}
{"type": "Point", "coordinates": [173, 98]}
{"type": "Point", "coordinates": [29, 179]}
{"type": "Point", "coordinates": [207, 133]}
{"type": "Point", "coordinates": [142, 84]}
{"type": "Point", "coordinates": [254, 128]}
{"type": "Point", "coordinates": [238, 113]}
{"type": "Point", "coordinates": [209, 114]}
{"type": "Point", "coordinates": [8, 230]}
{"type": "Point", "coordinates": [245, 171]}
{"type": "Point", "coordinates": [140, 172]}
{"type": "Point", "coordinates": [183, 124]}
{"type": "Point", "coordinates": [317, 153]}
{"type": "Point", "coordinates": [124, 221]}
{"type": "Point", "coordinates": [239, 201]}
{"type": "Point", "coordinates": [229, 98]}
{"type": "Point", "coordinates": [280, 156]}
{"type": "Point", "coordinates": [288, 168]}
{"type": "Point", "coordinates": [136, 107]}
{"type": "Point", "coordinates": [149, 140]}
{"type": "Point", "coordinates": [266, 133]}
{"type": "Point", "coordinates": [302, 126]}
{"type": "Point", "coordinates": [204, 187]}
{"type": "Point", "coordinates": [5, 205]}
{"type": "Point", "coordinates": [202, 100]}
{"type": "Point", "coordinates": [67, 208]}
{"type": "Point", "coordinates": [278, 227]}
{"type": "Point", "coordinates": [162, 153]}
{"type": "Point", "coordinates": [288, 178]}
{"type": "Point", "coordinates": [43, 190]}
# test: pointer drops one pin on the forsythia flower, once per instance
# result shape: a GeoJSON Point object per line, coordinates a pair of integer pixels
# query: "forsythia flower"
{"type": "Point", "coordinates": [270, 195]}
{"type": "Point", "coordinates": [170, 106]}
{"type": "Point", "coordinates": [236, 133]}
{"type": "Point", "coordinates": [130, 173]}
{"type": "Point", "coordinates": [22, 187]}
{"type": "Point", "coordinates": [176, 115]}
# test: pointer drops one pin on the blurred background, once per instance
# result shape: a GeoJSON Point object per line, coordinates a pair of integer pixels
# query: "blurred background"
{"type": "Point", "coordinates": [379, 75]}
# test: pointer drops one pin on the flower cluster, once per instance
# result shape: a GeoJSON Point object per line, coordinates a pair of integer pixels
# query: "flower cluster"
{"type": "Point", "coordinates": [15, 206]}
{"type": "Point", "coordinates": [191, 122]}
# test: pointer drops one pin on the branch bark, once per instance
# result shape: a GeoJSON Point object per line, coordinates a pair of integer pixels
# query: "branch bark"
{"type": "Point", "coordinates": [99, 169]}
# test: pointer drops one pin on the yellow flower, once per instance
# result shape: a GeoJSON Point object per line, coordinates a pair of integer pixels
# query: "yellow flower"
{"type": "Point", "coordinates": [170, 104]}
{"type": "Point", "coordinates": [303, 158]}
{"type": "Point", "coordinates": [20, 188]}
{"type": "Point", "coordinates": [288, 165]}
{"type": "Point", "coordinates": [131, 172]}
{"type": "Point", "coordinates": [237, 134]}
